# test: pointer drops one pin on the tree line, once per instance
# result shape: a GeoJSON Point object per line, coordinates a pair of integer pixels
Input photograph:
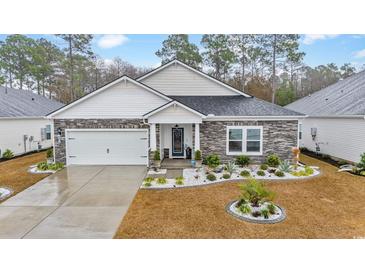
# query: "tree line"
{"type": "Point", "coordinates": [267, 66]}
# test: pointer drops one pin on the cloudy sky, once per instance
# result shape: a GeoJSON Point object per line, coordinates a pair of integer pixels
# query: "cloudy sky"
{"type": "Point", "coordinates": [140, 49]}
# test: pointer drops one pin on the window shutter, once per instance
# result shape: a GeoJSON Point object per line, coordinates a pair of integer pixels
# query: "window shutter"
{"type": "Point", "coordinates": [43, 134]}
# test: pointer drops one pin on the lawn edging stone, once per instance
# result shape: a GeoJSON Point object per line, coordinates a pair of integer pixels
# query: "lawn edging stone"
{"type": "Point", "coordinates": [5, 192]}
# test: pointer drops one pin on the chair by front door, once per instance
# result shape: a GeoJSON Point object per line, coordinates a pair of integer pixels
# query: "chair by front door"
{"type": "Point", "coordinates": [177, 142]}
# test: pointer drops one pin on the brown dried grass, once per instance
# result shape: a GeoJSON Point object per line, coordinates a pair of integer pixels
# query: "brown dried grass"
{"type": "Point", "coordinates": [327, 206]}
{"type": "Point", "coordinates": [14, 173]}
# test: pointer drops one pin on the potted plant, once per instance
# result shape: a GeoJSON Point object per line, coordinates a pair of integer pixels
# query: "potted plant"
{"type": "Point", "coordinates": [156, 159]}
{"type": "Point", "coordinates": [198, 158]}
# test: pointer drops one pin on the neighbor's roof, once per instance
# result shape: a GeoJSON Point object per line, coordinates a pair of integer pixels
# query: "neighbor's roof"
{"type": "Point", "coordinates": [234, 106]}
{"type": "Point", "coordinates": [24, 103]}
{"type": "Point", "coordinates": [346, 97]}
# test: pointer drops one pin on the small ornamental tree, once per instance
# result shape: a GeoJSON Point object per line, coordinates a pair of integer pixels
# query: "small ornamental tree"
{"type": "Point", "coordinates": [255, 193]}
{"type": "Point", "coordinates": [198, 155]}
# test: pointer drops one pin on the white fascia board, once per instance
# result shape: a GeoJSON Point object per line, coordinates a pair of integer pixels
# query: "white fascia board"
{"type": "Point", "coordinates": [194, 70]}
{"type": "Point", "coordinates": [91, 94]}
{"type": "Point", "coordinates": [263, 118]}
{"type": "Point", "coordinates": [24, 118]}
{"type": "Point", "coordinates": [170, 104]}
{"type": "Point", "coordinates": [337, 116]}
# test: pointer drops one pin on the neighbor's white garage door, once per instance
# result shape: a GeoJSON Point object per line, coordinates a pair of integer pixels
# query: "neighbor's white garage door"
{"type": "Point", "coordinates": [106, 147]}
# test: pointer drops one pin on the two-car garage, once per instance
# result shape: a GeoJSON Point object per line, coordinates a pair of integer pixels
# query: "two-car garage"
{"type": "Point", "coordinates": [106, 146]}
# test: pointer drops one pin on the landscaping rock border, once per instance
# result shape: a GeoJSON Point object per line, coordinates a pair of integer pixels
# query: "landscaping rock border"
{"type": "Point", "coordinates": [33, 170]}
{"type": "Point", "coordinates": [5, 192]}
{"type": "Point", "coordinates": [281, 218]}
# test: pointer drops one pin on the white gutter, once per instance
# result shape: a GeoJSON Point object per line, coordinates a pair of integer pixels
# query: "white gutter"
{"type": "Point", "coordinates": [24, 118]}
{"type": "Point", "coordinates": [338, 116]}
{"type": "Point", "coordinates": [256, 118]}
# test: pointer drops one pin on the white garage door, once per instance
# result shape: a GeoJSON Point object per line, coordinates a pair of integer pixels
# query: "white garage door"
{"type": "Point", "coordinates": [106, 147]}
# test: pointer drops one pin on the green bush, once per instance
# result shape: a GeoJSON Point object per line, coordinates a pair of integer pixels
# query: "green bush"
{"type": "Point", "coordinates": [279, 173]}
{"type": "Point", "coordinates": [147, 184]}
{"type": "Point", "coordinates": [245, 209]}
{"type": "Point", "coordinates": [161, 180]}
{"type": "Point", "coordinates": [362, 161]}
{"type": "Point", "coordinates": [342, 162]}
{"type": "Point", "coordinates": [49, 153]}
{"type": "Point", "coordinates": [255, 192]}
{"type": "Point", "coordinates": [45, 166]}
{"type": "Point", "coordinates": [273, 160]}
{"type": "Point", "coordinates": [149, 179]}
{"type": "Point", "coordinates": [8, 154]}
{"type": "Point", "coordinates": [226, 176]}
{"type": "Point", "coordinates": [308, 170]}
{"type": "Point", "coordinates": [243, 160]}
{"type": "Point", "coordinates": [271, 208]}
{"type": "Point", "coordinates": [260, 173]}
{"type": "Point", "coordinates": [156, 155]}
{"type": "Point", "coordinates": [285, 166]}
{"type": "Point", "coordinates": [213, 160]}
{"type": "Point", "coordinates": [245, 173]}
{"type": "Point", "coordinates": [179, 180]}
{"type": "Point", "coordinates": [362, 173]}
{"type": "Point", "coordinates": [42, 166]}
{"type": "Point", "coordinates": [198, 155]}
{"type": "Point", "coordinates": [211, 177]}
{"type": "Point", "coordinates": [265, 213]}
{"type": "Point", "coordinates": [264, 167]}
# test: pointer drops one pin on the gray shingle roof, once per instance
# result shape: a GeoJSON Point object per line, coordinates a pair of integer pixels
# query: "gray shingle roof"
{"type": "Point", "coordinates": [346, 97]}
{"type": "Point", "coordinates": [24, 103]}
{"type": "Point", "coordinates": [234, 106]}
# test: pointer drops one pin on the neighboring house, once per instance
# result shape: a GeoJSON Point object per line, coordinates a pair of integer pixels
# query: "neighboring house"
{"type": "Point", "coordinates": [23, 125]}
{"type": "Point", "coordinates": [336, 119]}
{"type": "Point", "coordinates": [170, 109]}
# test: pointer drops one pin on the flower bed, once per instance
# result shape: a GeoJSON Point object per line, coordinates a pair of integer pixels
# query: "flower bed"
{"type": "Point", "coordinates": [197, 177]}
{"type": "Point", "coordinates": [45, 168]}
{"type": "Point", "coordinates": [5, 192]}
{"type": "Point", "coordinates": [278, 216]}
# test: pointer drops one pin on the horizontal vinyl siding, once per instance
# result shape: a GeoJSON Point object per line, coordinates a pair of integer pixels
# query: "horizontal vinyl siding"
{"type": "Point", "coordinates": [342, 138]}
{"type": "Point", "coordinates": [175, 114]}
{"type": "Point", "coordinates": [178, 80]}
{"type": "Point", "coordinates": [123, 100]}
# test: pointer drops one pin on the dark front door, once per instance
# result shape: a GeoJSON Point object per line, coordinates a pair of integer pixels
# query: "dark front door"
{"type": "Point", "coordinates": [177, 142]}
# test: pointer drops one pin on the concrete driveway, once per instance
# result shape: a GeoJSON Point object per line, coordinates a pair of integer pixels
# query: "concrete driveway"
{"type": "Point", "coordinates": [76, 202]}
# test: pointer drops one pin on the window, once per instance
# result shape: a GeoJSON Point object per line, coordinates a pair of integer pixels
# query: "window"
{"type": "Point", "coordinates": [244, 140]}
{"type": "Point", "coordinates": [48, 132]}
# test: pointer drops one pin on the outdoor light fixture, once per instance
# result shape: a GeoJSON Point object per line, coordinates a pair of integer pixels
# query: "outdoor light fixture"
{"type": "Point", "coordinates": [313, 133]}
{"type": "Point", "coordinates": [59, 131]}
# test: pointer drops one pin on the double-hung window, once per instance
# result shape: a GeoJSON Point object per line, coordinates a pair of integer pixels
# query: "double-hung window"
{"type": "Point", "coordinates": [48, 132]}
{"type": "Point", "coordinates": [244, 140]}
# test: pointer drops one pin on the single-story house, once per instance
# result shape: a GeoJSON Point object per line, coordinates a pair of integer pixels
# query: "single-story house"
{"type": "Point", "coordinates": [174, 109]}
{"type": "Point", "coordinates": [23, 123]}
{"type": "Point", "coordinates": [335, 123]}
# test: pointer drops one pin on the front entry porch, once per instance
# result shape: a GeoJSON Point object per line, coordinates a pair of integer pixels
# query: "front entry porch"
{"type": "Point", "coordinates": [175, 163]}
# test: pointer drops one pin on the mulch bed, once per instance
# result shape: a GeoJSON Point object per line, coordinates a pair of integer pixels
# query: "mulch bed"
{"type": "Point", "coordinates": [327, 206]}
{"type": "Point", "coordinates": [14, 173]}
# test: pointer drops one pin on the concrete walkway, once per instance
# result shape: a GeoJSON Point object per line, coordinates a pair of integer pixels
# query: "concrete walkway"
{"type": "Point", "coordinates": [76, 202]}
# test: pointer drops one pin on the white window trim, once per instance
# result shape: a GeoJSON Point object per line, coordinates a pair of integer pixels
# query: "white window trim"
{"type": "Point", "coordinates": [244, 140]}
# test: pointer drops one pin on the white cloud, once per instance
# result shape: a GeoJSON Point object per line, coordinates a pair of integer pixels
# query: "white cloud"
{"type": "Point", "coordinates": [108, 61]}
{"type": "Point", "coordinates": [359, 53]}
{"type": "Point", "coordinates": [112, 40]}
{"type": "Point", "coordinates": [311, 38]}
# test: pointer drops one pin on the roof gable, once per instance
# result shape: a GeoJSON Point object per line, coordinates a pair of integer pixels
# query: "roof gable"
{"type": "Point", "coordinates": [178, 79]}
{"type": "Point", "coordinates": [122, 98]}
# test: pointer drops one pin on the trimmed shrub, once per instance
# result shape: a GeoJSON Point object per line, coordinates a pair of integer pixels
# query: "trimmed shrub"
{"type": "Point", "coordinates": [156, 155]}
{"type": "Point", "coordinates": [45, 166]}
{"type": "Point", "coordinates": [242, 160]}
{"type": "Point", "coordinates": [161, 180]}
{"type": "Point", "coordinates": [211, 177]}
{"type": "Point", "coordinates": [149, 179]}
{"type": "Point", "coordinates": [179, 180]}
{"type": "Point", "coordinates": [362, 173]}
{"type": "Point", "coordinates": [264, 167]}
{"type": "Point", "coordinates": [230, 167]}
{"type": "Point", "coordinates": [255, 192]}
{"type": "Point", "coordinates": [260, 173]}
{"type": "Point", "coordinates": [147, 184]}
{"type": "Point", "coordinates": [265, 213]}
{"type": "Point", "coordinates": [245, 209]}
{"type": "Point", "coordinates": [308, 170]}
{"type": "Point", "coordinates": [245, 173]}
{"type": "Point", "coordinates": [226, 176]}
{"type": "Point", "coordinates": [273, 160]}
{"type": "Point", "coordinates": [213, 160]}
{"type": "Point", "coordinates": [198, 155]}
{"type": "Point", "coordinates": [42, 166]}
{"type": "Point", "coordinates": [8, 154]}
{"type": "Point", "coordinates": [49, 153]}
{"type": "Point", "coordinates": [271, 208]}
{"type": "Point", "coordinates": [256, 214]}
{"type": "Point", "coordinates": [279, 173]}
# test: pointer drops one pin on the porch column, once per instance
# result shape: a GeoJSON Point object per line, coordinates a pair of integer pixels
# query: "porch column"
{"type": "Point", "coordinates": [197, 137]}
{"type": "Point", "coordinates": [153, 137]}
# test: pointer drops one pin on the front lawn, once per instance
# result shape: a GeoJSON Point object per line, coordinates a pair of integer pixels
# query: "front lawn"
{"type": "Point", "coordinates": [14, 173]}
{"type": "Point", "coordinates": [327, 206]}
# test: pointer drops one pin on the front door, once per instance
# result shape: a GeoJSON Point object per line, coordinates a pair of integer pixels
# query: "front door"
{"type": "Point", "coordinates": [177, 142]}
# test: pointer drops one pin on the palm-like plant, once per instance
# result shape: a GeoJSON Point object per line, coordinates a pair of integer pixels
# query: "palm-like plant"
{"type": "Point", "coordinates": [231, 167]}
{"type": "Point", "coordinates": [255, 193]}
{"type": "Point", "coordinates": [285, 166]}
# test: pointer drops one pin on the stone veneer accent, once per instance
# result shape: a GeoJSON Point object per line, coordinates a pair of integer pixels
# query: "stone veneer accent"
{"type": "Point", "coordinates": [60, 150]}
{"type": "Point", "coordinates": [279, 137]}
